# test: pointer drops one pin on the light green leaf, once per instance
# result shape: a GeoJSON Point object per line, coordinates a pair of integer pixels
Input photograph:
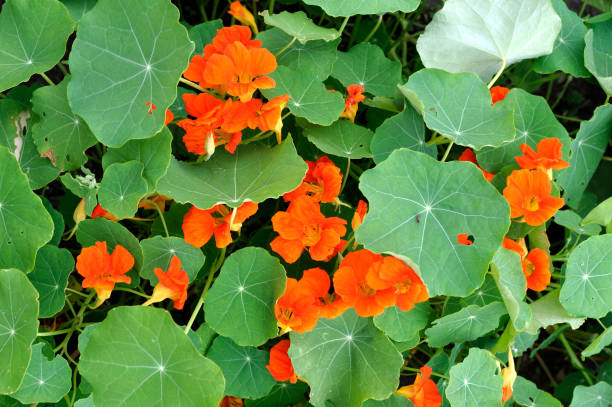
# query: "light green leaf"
{"type": "Point", "coordinates": [203, 34]}
{"type": "Point", "coordinates": [403, 326]}
{"type": "Point", "coordinates": [33, 34]}
{"type": "Point", "coordinates": [244, 368]}
{"type": "Point", "coordinates": [45, 381]}
{"type": "Point", "coordinates": [547, 311]}
{"type": "Point", "coordinates": [18, 327]}
{"type": "Point", "coordinates": [343, 138]}
{"type": "Point", "coordinates": [240, 304]}
{"type": "Point", "coordinates": [599, 395]}
{"type": "Point", "coordinates": [405, 129]}
{"type": "Point", "coordinates": [299, 26]}
{"type": "Point", "coordinates": [254, 173]}
{"type": "Point", "coordinates": [60, 134]}
{"type": "Point", "coordinates": [345, 8]}
{"type": "Point", "coordinates": [568, 51]}
{"type": "Point", "coordinates": [366, 65]}
{"type": "Point", "coordinates": [527, 394]}
{"type": "Point", "coordinates": [572, 221]}
{"type": "Point", "coordinates": [50, 278]}
{"type": "Point", "coordinates": [475, 382]}
{"type": "Point", "coordinates": [508, 274]}
{"type": "Point", "coordinates": [458, 106]}
{"type": "Point", "coordinates": [123, 58]}
{"type": "Point", "coordinates": [158, 252]}
{"type": "Point", "coordinates": [154, 154]}
{"type": "Point", "coordinates": [309, 97]}
{"type": "Point", "coordinates": [139, 356]}
{"type": "Point", "coordinates": [479, 37]}
{"type": "Point", "coordinates": [533, 121]}
{"type": "Point", "coordinates": [587, 287]}
{"type": "Point", "coordinates": [87, 402]}
{"type": "Point", "coordinates": [346, 360]}
{"type": "Point", "coordinates": [599, 343]}
{"type": "Point", "coordinates": [393, 401]}
{"type": "Point", "coordinates": [418, 206]}
{"type": "Point", "coordinates": [282, 394]}
{"type": "Point", "coordinates": [587, 149]}
{"type": "Point", "coordinates": [78, 8]}
{"type": "Point", "coordinates": [598, 52]}
{"type": "Point", "coordinates": [122, 188]}
{"type": "Point", "coordinates": [25, 225]}
{"type": "Point", "coordinates": [601, 214]}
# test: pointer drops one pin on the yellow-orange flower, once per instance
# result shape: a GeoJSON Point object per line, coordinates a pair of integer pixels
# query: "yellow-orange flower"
{"type": "Point", "coordinates": [199, 225]}
{"type": "Point", "coordinates": [240, 13]}
{"type": "Point", "coordinates": [351, 103]}
{"type": "Point", "coordinates": [172, 284]}
{"type": "Point", "coordinates": [423, 392]}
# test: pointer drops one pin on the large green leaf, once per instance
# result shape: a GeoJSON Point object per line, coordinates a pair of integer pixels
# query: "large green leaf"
{"type": "Point", "coordinates": [527, 394]}
{"type": "Point", "coordinates": [158, 251]}
{"type": "Point", "coordinates": [244, 368]}
{"type": "Point", "coordinates": [366, 65]}
{"type": "Point", "coordinates": [18, 327]}
{"type": "Point", "coordinates": [547, 311]}
{"type": "Point", "coordinates": [122, 188]}
{"type": "Point", "coordinates": [508, 274]}
{"type": "Point", "coordinates": [33, 34]}
{"type": "Point", "coordinates": [599, 395]}
{"type": "Point", "coordinates": [25, 225]}
{"type": "Point", "coordinates": [587, 287]}
{"type": "Point", "coordinates": [50, 278]}
{"type": "Point", "coordinates": [598, 52]}
{"type": "Point", "coordinates": [458, 106]}
{"type": "Point", "coordinates": [60, 134]}
{"type": "Point", "coordinates": [254, 173]}
{"type": "Point", "coordinates": [467, 36]}
{"type": "Point", "coordinates": [474, 382]}
{"type": "Point", "coordinates": [418, 206]}
{"type": "Point", "coordinates": [123, 58]}
{"type": "Point", "coordinates": [342, 8]}
{"type": "Point", "coordinates": [240, 304]}
{"type": "Point", "coordinates": [601, 342]}
{"type": "Point", "coordinates": [138, 356]}
{"type": "Point", "coordinates": [568, 51]}
{"type": "Point", "coordinates": [403, 326]}
{"type": "Point", "coordinates": [343, 138]}
{"type": "Point", "coordinates": [309, 97]}
{"type": "Point", "coordinates": [587, 150]}
{"type": "Point", "coordinates": [346, 360]}
{"type": "Point", "coordinates": [533, 121]}
{"type": "Point", "coordinates": [299, 26]}
{"type": "Point", "coordinates": [45, 381]}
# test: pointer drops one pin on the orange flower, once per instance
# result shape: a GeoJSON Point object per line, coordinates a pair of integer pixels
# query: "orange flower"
{"type": "Point", "coordinates": [424, 392]}
{"type": "Point", "coordinates": [102, 270]}
{"type": "Point", "coordinates": [200, 225]}
{"type": "Point", "coordinates": [528, 193]}
{"type": "Point", "coordinates": [536, 269]}
{"type": "Point", "coordinates": [359, 215]}
{"type": "Point", "coordinates": [518, 247]}
{"type": "Point", "coordinates": [172, 284]}
{"type": "Point", "coordinates": [464, 239]}
{"type": "Point", "coordinates": [231, 401]}
{"type": "Point", "coordinates": [322, 182]}
{"type": "Point", "coordinates": [508, 376]}
{"type": "Point", "coordinates": [498, 93]}
{"type": "Point", "coordinates": [100, 212]}
{"type": "Point", "coordinates": [548, 155]}
{"type": "Point", "coordinates": [316, 282]}
{"type": "Point", "coordinates": [296, 309]}
{"type": "Point", "coordinates": [303, 225]}
{"type": "Point", "coordinates": [269, 117]}
{"type": "Point", "coordinates": [280, 366]}
{"type": "Point", "coordinates": [351, 104]}
{"type": "Point", "coordinates": [243, 15]}
{"type": "Point", "coordinates": [468, 155]}
{"type": "Point", "coordinates": [169, 117]}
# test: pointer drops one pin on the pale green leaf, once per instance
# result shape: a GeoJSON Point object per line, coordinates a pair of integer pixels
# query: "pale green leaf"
{"type": "Point", "coordinates": [527, 394]}
{"type": "Point", "coordinates": [602, 341]}
{"type": "Point", "coordinates": [122, 188]}
{"type": "Point", "coordinates": [394, 401]}
{"type": "Point", "coordinates": [342, 8]}
{"type": "Point", "coordinates": [547, 311]}
{"type": "Point", "coordinates": [599, 395]}
{"type": "Point", "coordinates": [50, 278]}
{"type": "Point", "coordinates": [572, 221]}
{"type": "Point", "coordinates": [403, 326]}
{"type": "Point", "coordinates": [598, 52]}
{"type": "Point", "coordinates": [343, 138]}
{"type": "Point", "coordinates": [87, 402]}
{"type": "Point", "coordinates": [601, 214]}
{"type": "Point", "coordinates": [78, 8]}
{"type": "Point", "coordinates": [299, 26]}
{"type": "Point", "coordinates": [508, 274]}
{"type": "Point", "coordinates": [475, 382]}
{"type": "Point", "coordinates": [158, 251]}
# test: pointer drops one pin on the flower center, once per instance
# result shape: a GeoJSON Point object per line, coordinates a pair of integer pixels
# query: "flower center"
{"type": "Point", "coordinates": [403, 286]}
{"type": "Point", "coordinates": [529, 268]}
{"type": "Point", "coordinates": [312, 234]}
{"type": "Point", "coordinates": [366, 291]}
{"type": "Point", "coordinates": [532, 203]}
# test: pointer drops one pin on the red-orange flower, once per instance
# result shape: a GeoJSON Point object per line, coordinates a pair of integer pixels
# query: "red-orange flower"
{"type": "Point", "coordinates": [304, 226]}
{"type": "Point", "coordinates": [424, 392]}
{"type": "Point", "coordinates": [468, 155]}
{"type": "Point", "coordinates": [517, 247]}
{"type": "Point", "coordinates": [199, 225]}
{"type": "Point", "coordinates": [169, 117]}
{"type": "Point", "coordinates": [498, 93]}
{"type": "Point", "coordinates": [231, 401]}
{"type": "Point", "coordinates": [528, 193]}
{"type": "Point", "coordinates": [548, 155]}
{"type": "Point", "coordinates": [296, 309]}
{"type": "Point", "coordinates": [280, 366]}
{"type": "Point", "coordinates": [102, 270]}
{"type": "Point", "coordinates": [351, 103]}
{"type": "Point", "coordinates": [536, 269]}
{"type": "Point", "coordinates": [359, 215]}
{"type": "Point", "coordinates": [269, 116]}
{"type": "Point", "coordinates": [316, 282]}
{"type": "Point", "coordinates": [172, 284]}
{"type": "Point", "coordinates": [322, 182]}
{"type": "Point", "coordinates": [100, 212]}
{"type": "Point", "coordinates": [240, 13]}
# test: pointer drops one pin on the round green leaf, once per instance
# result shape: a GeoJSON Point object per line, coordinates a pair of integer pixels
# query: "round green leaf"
{"type": "Point", "coordinates": [18, 327]}
{"type": "Point", "coordinates": [45, 381]}
{"type": "Point", "coordinates": [244, 368]}
{"type": "Point", "coordinates": [158, 251]}
{"type": "Point", "coordinates": [309, 97]}
{"type": "Point", "coordinates": [598, 52]}
{"type": "Point", "coordinates": [282, 394]}
{"type": "Point", "coordinates": [527, 394]}
{"type": "Point", "coordinates": [123, 58]}
{"type": "Point", "coordinates": [345, 8]}
{"type": "Point", "coordinates": [122, 188]}
{"type": "Point", "coordinates": [254, 173]}
{"type": "Point", "coordinates": [458, 106]}
{"type": "Point", "coordinates": [474, 382]}
{"type": "Point", "coordinates": [512, 284]}
{"type": "Point", "coordinates": [25, 225]}
{"type": "Point", "coordinates": [240, 304]}
{"type": "Point", "coordinates": [299, 26]}
{"type": "Point", "coordinates": [366, 65]}
{"type": "Point", "coordinates": [402, 326]}
{"type": "Point", "coordinates": [50, 278]}
{"type": "Point", "coordinates": [60, 134]}
{"type": "Point", "coordinates": [599, 395]}
{"type": "Point", "coordinates": [572, 221]}
{"type": "Point", "coordinates": [478, 37]}
{"type": "Point", "coordinates": [33, 34]}
{"type": "Point", "coordinates": [587, 287]}
{"type": "Point", "coordinates": [418, 206]}
{"type": "Point", "coordinates": [343, 138]}
{"type": "Point", "coordinates": [346, 360]}
{"type": "Point", "coordinates": [601, 342]}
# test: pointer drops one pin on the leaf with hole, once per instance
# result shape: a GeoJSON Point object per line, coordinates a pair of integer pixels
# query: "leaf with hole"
{"type": "Point", "coordinates": [475, 382]}
{"type": "Point", "coordinates": [50, 278]}
{"type": "Point", "coordinates": [299, 26]}
{"type": "Point", "coordinates": [343, 139]}
{"type": "Point", "coordinates": [158, 251]}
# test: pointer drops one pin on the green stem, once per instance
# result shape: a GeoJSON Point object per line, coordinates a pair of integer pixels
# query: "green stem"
{"type": "Point", "coordinates": [563, 90]}
{"type": "Point", "coordinates": [606, 158]}
{"type": "Point", "coordinates": [371, 34]}
{"type": "Point", "coordinates": [129, 290]}
{"type": "Point", "coordinates": [567, 118]}
{"type": "Point", "coordinates": [271, 6]}
{"type": "Point", "coordinates": [59, 332]}
{"type": "Point", "coordinates": [448, 149]}
{"type": "Point", "coordinates": [546, 370]}
{"type": "Point", "coordinates": [70, 290]}
{"type": "Point", "coordinates": [283, 49]}
{"type": "Point", "coordinates": [574, 359]}
{"type": "Point", "coordinates": [161, 215]}
{"type": "Point", "coordinates": [412, 369]}
{"type": "Point", "coordinates": [498, 74]}
{"type": "Point", "coordinates": [343, 24]}
{"type": "Point", "coordinates": [63, 69]}
{"type": "Point", "coordinates": [192, 84]}
{"type": "Point", "coordinates": [348, 167]}
{"type": "Point", "coordinates": [46, 78]}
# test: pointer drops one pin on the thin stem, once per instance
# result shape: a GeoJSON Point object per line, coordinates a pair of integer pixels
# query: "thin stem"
{"type": "Point", "coordinates": [412, 369]}
{"type": "Point", "coordinates": [129, 290]}
{"type": "Point", "coordinates": [567, 118]}
{"type": "Point", "coordinates": [192, 84]}
{"type": "Point", "coordinates": [46, 78]}
{"type": "Point", "coordinates": [606, 158]}
{"type": "Point", "coordinates": [371, 34]}
{"type": "Point", "coordinates": [70, 290]}
{"type": "Point", "coordinates": [283, 49]}
{"type": "Point", "coordinates": [343, 24]}
{"type": "Point", "coordinates": [546, 370]}
{"type": "Point", "coordinates": [63, 69]}
{"type": "Point", "coordinates": [271, 6]}
{"type": "Point", "coordinates": [59, 332]}
{"type": "Point", "coordinates": [348, 167]}
{"type": "Point", "coordinates": [601, 323]}
{"type": "Point", "coordinates": [563, 90]}
{"type": "Point", "coordinates": [161, 215]}
{"type": "Point", "coordinates": [448, 149]}
{"type": "Point", "coordinates": [498, 74]}
{"type": "Point", "coordinates": [574, 360]}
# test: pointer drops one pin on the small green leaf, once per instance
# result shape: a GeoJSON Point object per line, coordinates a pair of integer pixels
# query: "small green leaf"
{"type": "Point", "coordinates": [393, 401]}
{"type": "Point", "coordinates": [345, 8]}
{"type": "Point", "coordinates": [527, 394]}
{"type": "Point", "coordinates": [122, 188]}
{"type": "Point", "coordinates": [486, 294]}
{"type": "Point", "coordinates": [508, 274]}
{"type": "Point", "coordinates": [58, 222]}
{"type": "Point", "coordinates": [547, 311]}
{"type": "Point", "coordinates": [458, 106]}
{"type": "Point", "coordinates": [50, 278]}
{"type": "Point", "coordinates": [282, 394]}
{"type": "Point", "coordinates": [602, 341]}
{"type": "Point", "coordinates": [240, 304]}
{"type": "Point", "coordinates": [598, 52]}
{"type": "Point", "coordinates": [78, 8]}
{"type": "Point", "coordinates": [343, 138]}
{"type": "Point", "coordinates": [33, 35]}
{"type": "Point", "coordinates": [203, 34]}
{"type": "Point", "coordinates": [366, 65]}
{"type": "Point", "coordinates": [158, 252]}
{"type": "Point", "coordinates": [601, 214]}
{"type": "Point", "coordinates": [599, 395]}
{"type": "Point", "coordinates": [87, 402]}
{"type": "Point", "coordinates": [39, 169]}
{"type": "Point", "coordinates": [299, 26]}
{"type": "Point", "coordinates": [345, 360]}
{"type": "Point", "coordinates": [244, 368]}
{"type": "Point", "coordinates": [572, 221]}
{"type": "Point", "coordinates": [474, 382]}
{"type": "Point", "coordinates": [403, 326]}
